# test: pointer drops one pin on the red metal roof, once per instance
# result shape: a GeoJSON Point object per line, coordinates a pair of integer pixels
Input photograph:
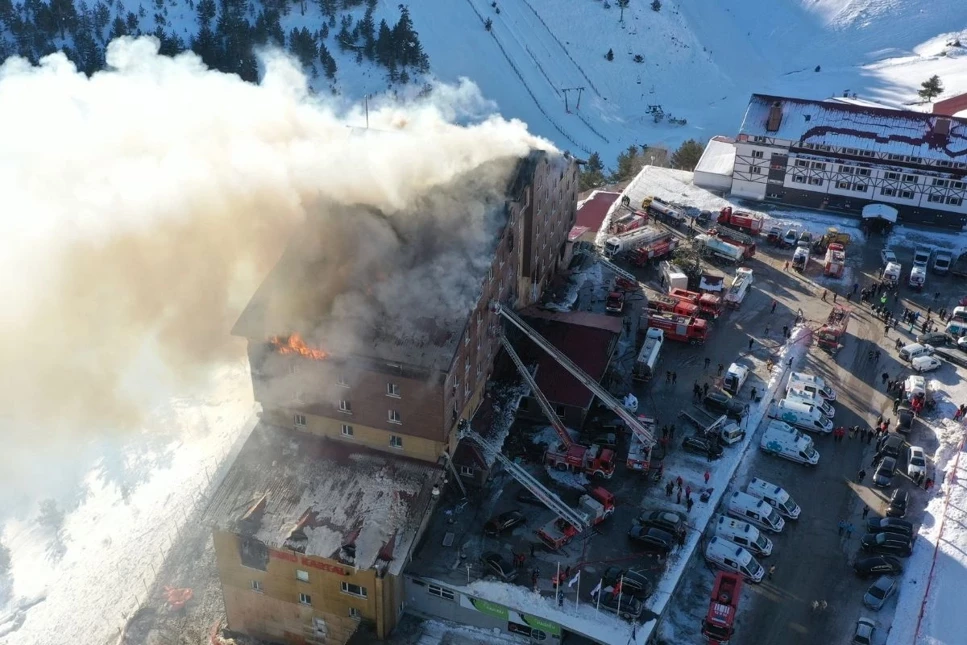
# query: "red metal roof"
{"type": "Point", "coordinates": [587, 339]}
{"type": "Point", "coordinates": [592, 211]}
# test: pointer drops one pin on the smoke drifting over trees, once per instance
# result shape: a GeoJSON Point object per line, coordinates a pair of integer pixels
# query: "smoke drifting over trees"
{"type": "Point", "coordinates": [144, 205]}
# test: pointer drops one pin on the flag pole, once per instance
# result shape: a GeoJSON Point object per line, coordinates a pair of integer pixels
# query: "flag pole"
{"type": "Point", "coordinates": [557, 595]}
{"type": "Point", "coordinates": [577, 594]}
{"type": "Point", "coordinates": [621, 590]}
{"type": "Point", "coordinates": [597, 607]}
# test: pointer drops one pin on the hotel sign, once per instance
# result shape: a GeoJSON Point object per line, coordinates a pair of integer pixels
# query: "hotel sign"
{"type": "Point", "coordinates": [288, 556]}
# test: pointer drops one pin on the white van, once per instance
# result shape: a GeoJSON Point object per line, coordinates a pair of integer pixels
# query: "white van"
{"type": "Point", "coordinates": [956, 328]}
{"type": "Point", "coordinates": [913, 350]}
{"type": "Point", "coordinates": [731, 557]}
{"type": "Point", "coordinates": [803, 415]}
{"type": "Point", "coordinates": [747, 508]}
{"type": "Point", "coordinates": [795, 393]}
{"type": "Point", "coordinates": [778, 442]}
{"type": "Point", "coordinates": [745, 535]}
{"type": "Point", "coordinates": [775, 496]}
{"type": "Point", "coordinates": [811, 383]}
{"type": "Point", "coordinates": [781, 426]}
{"type": "Point", "coordinates": [959, 314]}
{"type": "Point", "coordinates": [735, 378]}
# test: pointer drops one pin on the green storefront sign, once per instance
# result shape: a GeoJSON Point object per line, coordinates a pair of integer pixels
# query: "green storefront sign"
{"type": "Point", "coordinates": [514, 617]}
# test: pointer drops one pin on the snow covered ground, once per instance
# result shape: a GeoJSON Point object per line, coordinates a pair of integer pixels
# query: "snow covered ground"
{"type": "Point", "coordinates": [84, 569]}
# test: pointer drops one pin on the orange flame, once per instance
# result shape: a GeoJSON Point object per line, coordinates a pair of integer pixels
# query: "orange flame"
{"type": "Point", "coordinates": [293, 344]}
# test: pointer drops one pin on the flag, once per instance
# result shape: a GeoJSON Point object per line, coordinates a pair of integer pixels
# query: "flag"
{"type": "Point", "coordinates": [597, 589]}
{"type": "Point", "coordinates": [617, 588]}
{"type": "Point", "coordinates": [574, 580]}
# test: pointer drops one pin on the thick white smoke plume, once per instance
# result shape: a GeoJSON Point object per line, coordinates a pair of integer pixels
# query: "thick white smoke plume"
{"type": "Point", "coordinates": [142, 207]}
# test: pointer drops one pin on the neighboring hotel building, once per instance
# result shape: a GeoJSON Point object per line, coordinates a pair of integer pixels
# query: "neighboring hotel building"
{"type": "Point", "coordinates": [321, 511]}
{"type": "Point", "coordinates": [843, 156]}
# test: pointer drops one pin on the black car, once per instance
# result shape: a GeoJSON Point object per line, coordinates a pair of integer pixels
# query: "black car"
{"type": "Point", "coordinates": [904, 419]}
{"type": "Point", "coordinates": [889, 525]}
{"type": "Point", "coordinates": [603, 439]}
{"type": "Point", "coordinates": [722, 403]}
{"type": "Point", "coordinates": [702, 446]}
{"type": "Point", "coordinates": [497, 566]}
{"type": "Point", "coordinates": [504, 522]}
{"type": "Point", "coordinates": [625, 605]}
{"type": "Point", "coordinates": [669, 521]}
{"type": "Point", "coordinates": [877, 565]}
{"type": "Point", "coordinates": [883, 477]}
{"type": "Point", "coordinates": [934, 339]}
{"type": "Point", "coordinates": [898, 503]}
{"type": "Point", "coordinates": [890, 445]}
{"type": "Point", "coordinates": [635, 583]}
{"type": "Point", "coordinates": [887, 544]}
{"type": "Point", "coordinates": [651, 539]}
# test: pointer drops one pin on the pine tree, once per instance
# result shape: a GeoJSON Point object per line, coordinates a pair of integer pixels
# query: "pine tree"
{"type": "Point", "coordinates": [656, 5]}
{"type": "Point", "coordinates": [303, 44]}
{"type": "Point", "coordinates": [930, 88]}
{"type": "Point", "coordinates": [268, 27]}
{"type": "Point", "coordinates": [206, 11]}
{"type": "Point", "coordinates": [610, 54]}
{"type": "Point", "coordinates": [64, 16]}
{"type": "Point", "coordinates": [592, 172]}
{"type": "Point", "coordinates": [687, 155]}
{"type": "Point", "coordinates": [384, 45]}
{"type": "Point", "coordinates": [488, 24]}
{"type": "Point", "coordinates": [629, 163]}
{"type": "Point", "coordinates": [118, 29]}
{"type": "Point", "coordinates": [367, 31]}
{"type": "Point", "coordinates": [206, 46]}
{"type": "Point", "coordinates": [328, 62]}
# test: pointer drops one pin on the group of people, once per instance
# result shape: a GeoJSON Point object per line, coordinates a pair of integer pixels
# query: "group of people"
{"type": "Point", "coordinates": [679, 485]}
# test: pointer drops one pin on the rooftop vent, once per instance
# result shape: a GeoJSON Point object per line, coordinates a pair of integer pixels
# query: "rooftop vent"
{"type": "Point", "coordinates": [941, 127]}
{"type": "Point", "coordinates": [775, 117]}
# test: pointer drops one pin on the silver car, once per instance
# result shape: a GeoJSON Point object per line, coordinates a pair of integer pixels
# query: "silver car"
{"type": "Point", "coordinates": [879, 592]}
{"type": "Point", "coordinates": [864, 632]}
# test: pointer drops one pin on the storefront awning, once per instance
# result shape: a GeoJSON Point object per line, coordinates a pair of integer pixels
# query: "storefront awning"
{"type": "Point", "coordinates": [880, 211]}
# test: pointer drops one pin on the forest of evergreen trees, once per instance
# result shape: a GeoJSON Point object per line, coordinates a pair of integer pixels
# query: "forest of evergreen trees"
{"type": "Point", "coordinates": [228, 33]}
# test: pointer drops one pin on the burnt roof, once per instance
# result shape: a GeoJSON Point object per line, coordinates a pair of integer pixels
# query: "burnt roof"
{"type": "Point", "coordinates": [864, 127]}
{"type": "Point", "coordinates": [592, 211]}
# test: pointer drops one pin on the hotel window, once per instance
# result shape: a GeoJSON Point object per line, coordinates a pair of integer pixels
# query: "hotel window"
{"type": "Point", "coordinates": [466, 471]}
{"type": "Point", "coordinates": [867, 153]}
{"type": "Point", "coordinates": [842, 185]}
{"type": "Point", "coordinates": [466, 389]}
{"type": "Point", "coordinates": [802, 163]}
{"type": "Point", "coordinates": [910, 178]}
{"type": "Point", "coordinates": [935, 199]}
{"type": "Point", "coordinates": [301, 576]}
{"type": "Point", "coordinates": [755, 170]}
{"type": "Point", "coordinates": [757, 154]}
{"type": "Point", "coordinates": [341, 381]}
{"type": "Point", "coordinates": [944, 164]}
{"type": "Point", "coordinates": [815, 181]}
{"type": "Point", "coordinates": [906, 194]}
{"type": "Point", "coordinates": [892, 175]}
{"type": "Point", "coordinates": [863, 172]}
{"type": "Point", "coordinates": [257, 586]}
{"type": "Point", "coordinates": [440, 592]}
{"type": "Point", "coordinates": [799, 179]}
{"type": "Point", "coordinates": [347, 430]}
{"type": "Point", "coordinates": [393, 389]}
{"type": "Point", "coordinates": [353, 590]}
{"type": "Point", "coordinates": [345, 406]}
{"type": "Point", "coordinates": [915, 159]}
{"type": "Point", "coordinates": [887, 192]}
{"type": "Point", "coordinates": [395, 441]}
{"type": "Point", "coordinates": [300, 420]}
{"type": "Point", "coordinates": [956, 184]}
{"type": "Point", "coordinates": [895, 157]}
{"type": "Point", "coordinates": [860, 188]}
{"type": "Point", "coordinates": [818, 165]}
{"type": "Point", "coordinates": [954, 201]}
{"type": "Point", "coordinates": [847, 169]}
{"type": "Point", "coordinates": [393, 416]}
{"type": "Point", "coordinates": [305, 599]}
{"type": "Point", "coordinates": [940, 183]}
{"type": "Point", "coordinates": [354, 613]}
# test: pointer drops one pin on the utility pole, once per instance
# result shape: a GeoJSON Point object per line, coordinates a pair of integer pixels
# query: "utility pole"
{"type": "Point", "coordinates": [366, 104]}
{"type": "Point", "coordinates": [572, 89]}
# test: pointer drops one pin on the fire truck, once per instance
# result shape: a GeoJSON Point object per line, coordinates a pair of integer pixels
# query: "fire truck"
{"type": "Point", "coordinates": [615, 302]}
{"type": "Point", "coordinates": [718, 626]}
{"type": "Point", "coordinates": [829, 336]}
{"type": "Point", "coordinates": [691, 330]}
{"type": "Point", "coordinates": [673, 306]}
{"type": "Point", "coordinates": [653, 251]}
{"type": "Point", "coordinates": [597, 505]}
{"type": "Point", "coordinates": [835, 261]}
{"type": "Point", "coordinates": [736, 238]}
{"type": "Point", "coordinates": [639, 457]}
{"type": "Point", "coordinates": [626, 221]}
{"type": "Point", "coordinates": [663, 210]}
{"type": "Point", "coordinates": [710, 306]}
{"type": "Point", "coordinates": [749, 222]}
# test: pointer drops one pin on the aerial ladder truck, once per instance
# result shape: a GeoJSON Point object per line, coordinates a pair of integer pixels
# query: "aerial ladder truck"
{"type": "Point", "coordinates": [640, 428]}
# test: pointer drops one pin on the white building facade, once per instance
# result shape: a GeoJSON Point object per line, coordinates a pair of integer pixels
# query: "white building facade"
{"type": "Point", "coordinates": [842, 157]}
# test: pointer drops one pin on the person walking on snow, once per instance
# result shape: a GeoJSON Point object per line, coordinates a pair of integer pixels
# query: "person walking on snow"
{"type": "Point", "coordinates": [707, 476]}
{"type": "Point", "coordinates": [824, 295]}
{"type": "Point", "coordinates": [773, 310]}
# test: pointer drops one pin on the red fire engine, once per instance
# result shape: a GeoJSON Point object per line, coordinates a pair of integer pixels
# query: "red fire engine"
{"type": "Point", "coordinates": [748, 222]}
{"type": "Point", "coordinates": [692, 330]}
{"type": "Point", "coordinates": [673, 305]}
{"type": "Point", "coordinates": [709, 305]}
{"type": "Point", "coordinates": [657, 249]}
{"type": "Point", "coordinates": [718, 627]}
{"type": "Point", "coordinates": [829, 336]}
{"type": "Point", "coordinates": [736, 238]}
{"type": "Point", "coordinates": [597, 506]}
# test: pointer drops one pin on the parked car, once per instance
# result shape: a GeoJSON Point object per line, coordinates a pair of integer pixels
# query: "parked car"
{"type": "Point", "coordinates": [890, 445]}
{"type": "Point", "coordinates": [670, 521]}
{"type": "Point", "coordinates": [633, 582]}
{"type": "Point", "coordinates": [625, 605]}
{"type": "Point", "coordinates": [883, 477]}
{"type": "Point", "coordinates": [527, 497]}
{"type": "Point", "coordinates": [923, 364]}
{"type": "Point", "coordinates": [651, 539]}
{"type": "Point", "coordinates": [789, 237]}
{"type": "Point", "coordinates": [877, 565]}
{"type": "Point", "coordinates": [887, 256]}
{"type": "Point", "coordinates": [722, 403]}
{"type": "Point", "coordinates": [702, 446]}
{"type": "Point", "coordinates": [504, 522]}
{"type": "Point", "coordinates": [864, 632]}
{"type": "Point", "coordinates": [934, 339]}
{"type": "Point", "coordinates": [497, 566]}
{"type": "Point", "coordinates": [879, 592]}
{"type": "Point", "coordinates": [898, 503]}
{"type": "Point", "coordinates": [889, 525]}
{"type": "Point", "coordinates": [904, 419]}
{"type": "Point", "coordinates": [887, 544]}
{"type": "Point", "coordinates": [916, 462]}
{"type": "Point", "coordinates": [603, 439]}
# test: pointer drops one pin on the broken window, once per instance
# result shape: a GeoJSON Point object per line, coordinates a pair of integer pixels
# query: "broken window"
{"type": "Point", "coordinates": [353, 590]}
{"type": "Point", "coordinates": [301, 576]}
{"type": "Point", "coordinates": [253, 554]}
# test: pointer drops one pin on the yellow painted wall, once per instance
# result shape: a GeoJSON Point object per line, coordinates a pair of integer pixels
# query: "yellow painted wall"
{"type": "Point", "coordinates": [275, 611]}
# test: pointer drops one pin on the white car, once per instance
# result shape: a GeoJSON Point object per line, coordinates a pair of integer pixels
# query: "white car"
{"type": "Point", "coordinates": [962, 343]}
{"type": "Point", "coordinates": [887, 256]}
{"type": "Point", "coordinates": [864, 632]}
{"type": "Point", "coordinates": [916, 462]}
{"type": "Point", "coordinates": [925, 363]}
